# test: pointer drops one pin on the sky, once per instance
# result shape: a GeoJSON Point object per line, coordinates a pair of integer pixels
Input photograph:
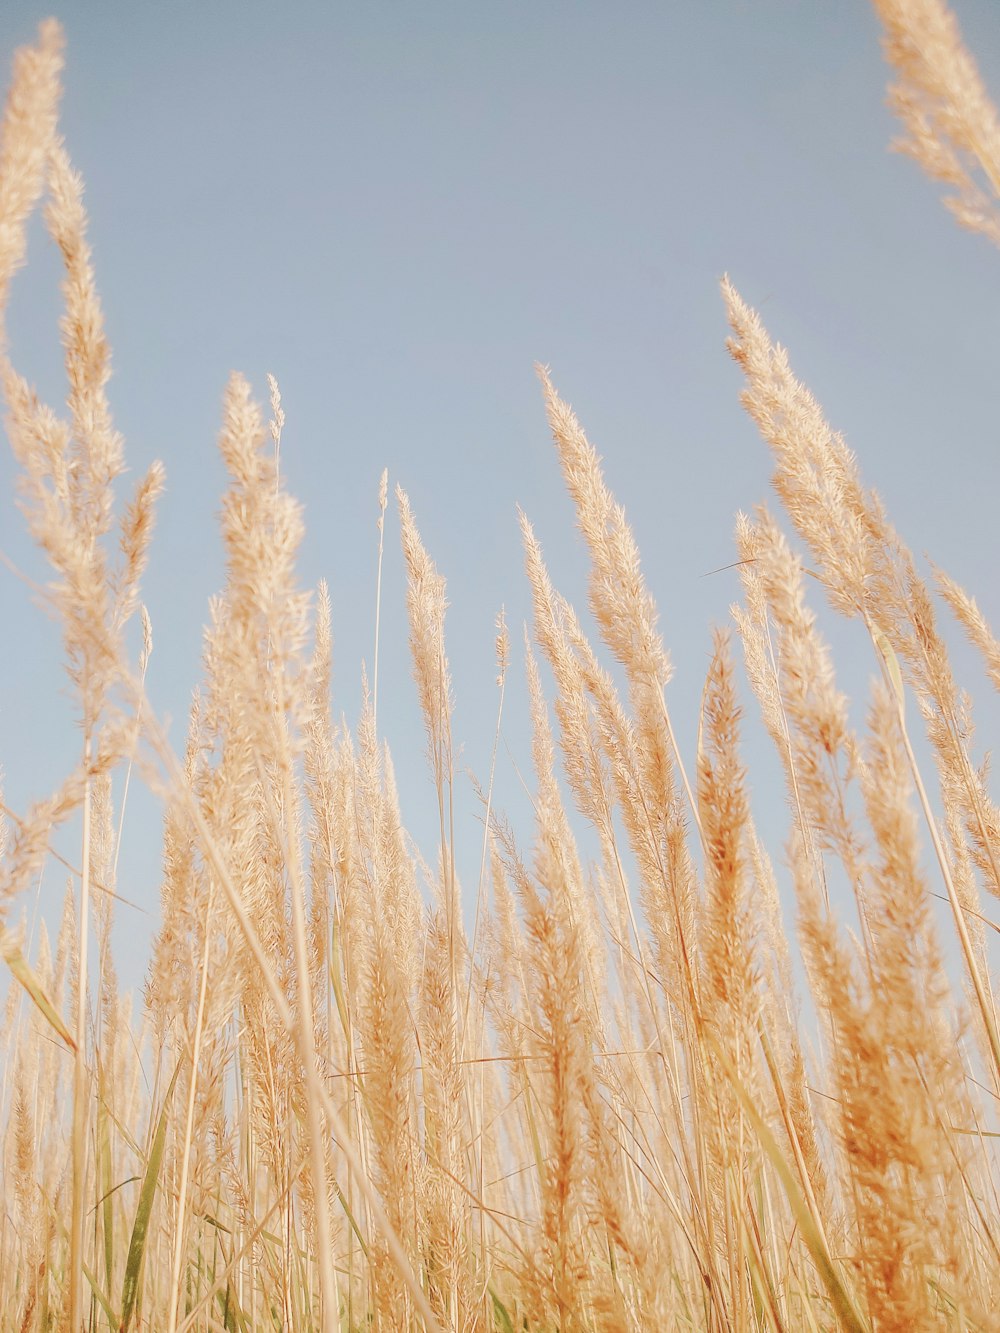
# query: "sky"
{"type": "Point", "coordinates": [398, 210]}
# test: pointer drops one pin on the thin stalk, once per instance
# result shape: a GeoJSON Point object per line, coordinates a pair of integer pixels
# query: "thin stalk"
{"type": "Point", "coordinates": [80, 1079]}
{"type": "Point", "coordinates": [175, 1276]}
{"type": "Point", "coordinates": [893, 678]}
{"type": "Point", "coordinates": [956, 907]}
{"type": "Point", "coordinates": [679, 761]}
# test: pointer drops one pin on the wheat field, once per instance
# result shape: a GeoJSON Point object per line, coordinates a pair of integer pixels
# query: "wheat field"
{"type": "Point", "coordinates": [367, 1088]}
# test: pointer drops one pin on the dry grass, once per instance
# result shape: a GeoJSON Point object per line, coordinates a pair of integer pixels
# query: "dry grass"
{"type": "Point", "coordinates": [603, 1111]}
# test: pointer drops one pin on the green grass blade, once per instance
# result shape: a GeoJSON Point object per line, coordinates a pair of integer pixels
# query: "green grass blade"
{"type": "Point", "coordinates": [501, 1314]}
{"type": "Point", "coordinates": [100, 1297]}
{"type": "Point", "coordinates": [350, 1217]}
{"type": "Point", "coordinates": [140, 1229]}
{"type": "Point", "coordinates": [233, 1318]}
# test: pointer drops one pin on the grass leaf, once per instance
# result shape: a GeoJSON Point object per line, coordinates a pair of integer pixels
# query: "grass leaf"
{"type": "Point", "coordinates": [140, 1228]}
{"type": "Point", "coordinates": [501, 1314]}
{"type": "Point", "coordinates": [24, 973]}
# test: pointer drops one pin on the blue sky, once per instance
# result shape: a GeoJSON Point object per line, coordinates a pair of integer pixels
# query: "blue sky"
{"type": "Point", "coordinates": [398, 210]}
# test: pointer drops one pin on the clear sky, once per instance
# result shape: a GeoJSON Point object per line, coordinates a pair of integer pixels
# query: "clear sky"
{"type": "Point", "coordinates": [397, 209]}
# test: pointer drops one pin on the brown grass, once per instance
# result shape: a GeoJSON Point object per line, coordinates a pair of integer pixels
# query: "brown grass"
{"type": "Point", "coordinates": [609, 1107]}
